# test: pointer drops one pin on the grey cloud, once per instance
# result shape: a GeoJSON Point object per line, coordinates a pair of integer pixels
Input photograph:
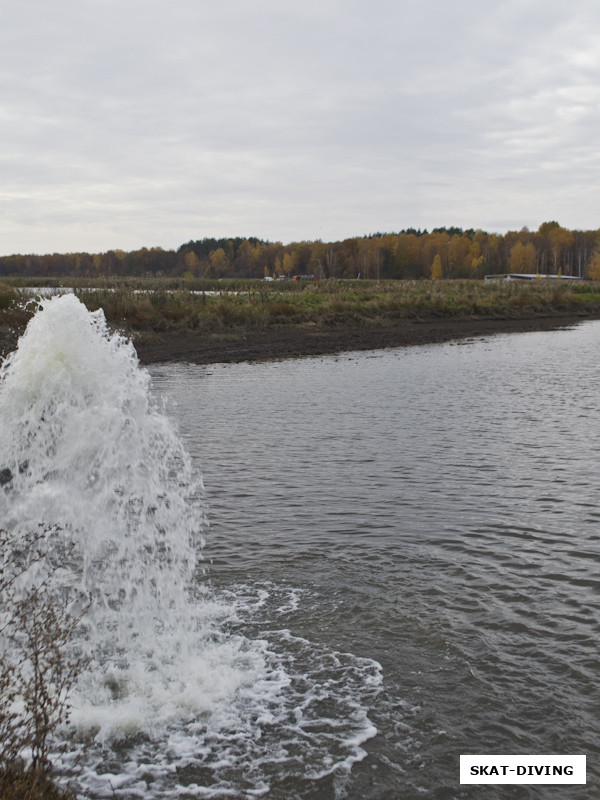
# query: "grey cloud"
{"type": "Point", "coordinates": [134, 123]}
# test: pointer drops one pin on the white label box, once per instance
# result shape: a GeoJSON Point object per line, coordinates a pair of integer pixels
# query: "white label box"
{"type": "Point", "coordinates": [550, 769]}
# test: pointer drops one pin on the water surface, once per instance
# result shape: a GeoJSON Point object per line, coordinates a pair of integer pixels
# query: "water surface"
{"type": "Point", "coordinates": [435, 510]}
{"type": "Point", "coordinates": [401, 564]}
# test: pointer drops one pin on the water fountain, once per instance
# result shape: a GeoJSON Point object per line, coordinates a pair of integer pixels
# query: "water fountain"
{"type": "Point", "coordinates": [174, 685]}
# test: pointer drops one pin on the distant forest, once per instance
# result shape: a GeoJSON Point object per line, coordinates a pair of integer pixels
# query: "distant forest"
{"type": "Point", "coordinates": [409, 254]}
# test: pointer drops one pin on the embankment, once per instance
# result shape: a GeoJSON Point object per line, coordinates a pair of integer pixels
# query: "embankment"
{"type": "Point", "coordinates": [293, 341]}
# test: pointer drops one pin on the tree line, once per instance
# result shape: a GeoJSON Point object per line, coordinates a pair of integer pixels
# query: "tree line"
{"type": "Point", "coordinates": [410, 254]}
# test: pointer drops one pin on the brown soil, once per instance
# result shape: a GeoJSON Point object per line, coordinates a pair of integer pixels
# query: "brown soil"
{"type": "Point", "coordinates": [294, 341]}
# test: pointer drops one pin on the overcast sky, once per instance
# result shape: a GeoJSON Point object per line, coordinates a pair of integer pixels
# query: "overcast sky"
{"type": "Point", "coordinates": [130, 123]}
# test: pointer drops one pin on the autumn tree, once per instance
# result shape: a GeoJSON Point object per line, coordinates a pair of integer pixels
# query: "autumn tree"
{"type": "Point", "coordinates": [546, 227]}
{"type": "Point", "coordinates": [192, 263]}
{"type": "Point", "coordinates": [522, 258]}
{"type": "Point", "coordinates": [409, 254]}
{"type": "Point", "coordinates": [364, 258]}
{"type": "Point", "coordinates": [302, 255]}
{"type": "Point", "coordinates": [350, 250]}
{"type": "Point", "coordinates": [376, 256]}
{"type": "Point", "coordinates": [410, 250]}
{"type": "Point", "coordinates": [245, 258]}
{"type": "Point", "coordinates": [331, 260]}
{"type": "Point", "coordinates": [287, 264]}
{"type": "Point", "coordinates": [594, 266]}
{"type": "Point", "coordinates": [437, 244]}
{"type": "Point", "coordinates": [219, 261]}
{"type": "Point", "coordinates": [459, 248]}
{"type": "Point", "coordinates": [436, 268]}
{"type": "Point", "coordinates": [317, 258]}
{"type": "Point", "coordinates": [560, 239]}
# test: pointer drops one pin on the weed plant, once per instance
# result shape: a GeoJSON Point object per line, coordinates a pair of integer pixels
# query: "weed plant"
{"type": "Point", "coordinates": [333, 302]}
{"type": "Point", "coordinates": [161, 306]}
{"type": "Point", "coordinates": [38, 662]}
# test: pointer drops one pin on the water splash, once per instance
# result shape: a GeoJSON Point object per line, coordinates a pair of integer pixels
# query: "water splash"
{"type": "Point", "coordinates": [85, 448]}
{"type": "Point", "coordinates": [177, 693]}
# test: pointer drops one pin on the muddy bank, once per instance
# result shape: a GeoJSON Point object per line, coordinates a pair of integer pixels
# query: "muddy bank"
{"type": "Point", "coordinates": [295, 341]}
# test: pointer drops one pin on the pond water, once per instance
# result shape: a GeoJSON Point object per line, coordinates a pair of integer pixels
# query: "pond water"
{"type": "Point", "coordinates": [400, 563]}
{"type": "Point", "coordinates": [431, 509]}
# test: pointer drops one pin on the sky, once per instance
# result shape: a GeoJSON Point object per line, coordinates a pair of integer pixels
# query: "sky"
{"type": "Point", "coordinates": [149, 123]}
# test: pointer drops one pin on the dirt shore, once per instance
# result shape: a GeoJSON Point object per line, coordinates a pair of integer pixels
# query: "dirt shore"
{"type": "Point", "coordinates": [293, 341]}
{"type": "Point", "coordinates": [296, 341]}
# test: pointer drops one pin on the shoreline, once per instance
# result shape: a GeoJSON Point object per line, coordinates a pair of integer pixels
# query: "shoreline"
{"type": "Point", "coordinates": [278, 342]}
{"type": "Point", "coordinates": [297, 341]}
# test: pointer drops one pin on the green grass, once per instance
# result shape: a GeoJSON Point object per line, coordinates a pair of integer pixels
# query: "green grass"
{"type": "Point", "coordinates": [153, 306]}
{"type": "Point", "coordinates": [333, 303]}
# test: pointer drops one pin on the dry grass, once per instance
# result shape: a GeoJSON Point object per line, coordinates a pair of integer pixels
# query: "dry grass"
{"type": "Point", "coordinates": [337, 303]}
{"type": "Point", "coordinates": [155, 307]}
{"type": "Point", "coordinates": [38, 665]}
{"type": "Point", "coordinates": [21, 783]}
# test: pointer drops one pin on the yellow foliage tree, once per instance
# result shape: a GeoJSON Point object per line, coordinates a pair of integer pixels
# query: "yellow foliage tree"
{"type": "Point", "coordinates": [458, 252]}
{"type": "Point", "coordinates": [560, 240]}
{"type": "Point", "coordinates": [287, 265]}
{"type": "Point", "coordinates": [436, 268]}
{"type": "Point", "coordinates": [594, 267]}
{"type": "Point", "coordinates": [522, 258]}
{"type": "Point", "coordinates": [219, 261]}
{"type": "Point", "coordinates": [192, 263]}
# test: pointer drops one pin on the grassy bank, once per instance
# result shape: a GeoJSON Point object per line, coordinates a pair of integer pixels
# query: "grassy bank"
{"type": "Point", "coordinates": [148, 309]}
{"type": "Point", "coordinates": [259, 305]}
